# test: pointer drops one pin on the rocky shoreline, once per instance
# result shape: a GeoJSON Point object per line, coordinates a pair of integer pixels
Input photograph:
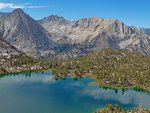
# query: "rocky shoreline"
{"type": "Point", "coordinates": [110, 108]}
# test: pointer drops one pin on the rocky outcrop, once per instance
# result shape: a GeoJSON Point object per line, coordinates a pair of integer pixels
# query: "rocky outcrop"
{"type": "Point", "coordinates": [7, 50]}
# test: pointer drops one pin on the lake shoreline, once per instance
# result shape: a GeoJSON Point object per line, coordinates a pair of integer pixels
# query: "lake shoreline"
{"type": "Point", "coordinates": [117, 108]}
{"type": "Point", "coordinates": [138, 87]}
{"type": "Point", "coordinates": [86, 75]}
{"type": "Point", "coordinates": [122, 87]}
{"type": "Point", "coordinates": [82, 97]}
{"type": "Point", "coordinates": [16, 72]}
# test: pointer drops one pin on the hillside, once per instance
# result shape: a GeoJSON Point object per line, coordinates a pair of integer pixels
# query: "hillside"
{"type": "Point", "coordinates": [7, 52]}
{"type": "Point", "coordinates": [13, 60]}
{"type": "Point", "coordinates": [109, 67]}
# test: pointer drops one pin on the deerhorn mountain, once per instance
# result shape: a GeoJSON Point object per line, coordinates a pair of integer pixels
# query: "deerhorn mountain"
{"type": "Point", "coordinates": [23, 32]}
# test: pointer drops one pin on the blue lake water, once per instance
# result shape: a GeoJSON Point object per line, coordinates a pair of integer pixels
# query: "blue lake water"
{"type": "Point", "coordinates": [39, 93]}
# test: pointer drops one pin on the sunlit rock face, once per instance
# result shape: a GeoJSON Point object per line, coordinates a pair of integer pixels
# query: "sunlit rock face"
{"type": "Point", "coordinates": [95, 33]}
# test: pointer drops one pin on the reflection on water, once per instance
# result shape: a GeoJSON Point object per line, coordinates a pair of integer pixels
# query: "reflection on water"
{"type": "Point", "coordinates": [123, 90]}
{"type": "Point", "coordinates": [39, 93]}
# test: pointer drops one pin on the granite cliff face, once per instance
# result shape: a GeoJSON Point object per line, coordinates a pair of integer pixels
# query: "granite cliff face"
{"type": "Point", "coordinates": [96, 33]}
{"type": "Point", "coordinates": [20, 30]}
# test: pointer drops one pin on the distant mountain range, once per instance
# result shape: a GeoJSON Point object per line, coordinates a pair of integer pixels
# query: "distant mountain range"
{"type": "Point", "coordinates": [61, 39]}
{"type": "Point", "coordinates": [145, 30]}
{"type": "Point", "coordinates": [3, 14]}
{"type": "Point", "coordinates": [95, 33]}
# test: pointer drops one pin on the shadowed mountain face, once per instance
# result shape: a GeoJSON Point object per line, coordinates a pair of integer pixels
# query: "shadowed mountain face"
{"type": "Point", "coordinates": [96, 33]}
{"type": "Point", "coordinates": [26, 34]}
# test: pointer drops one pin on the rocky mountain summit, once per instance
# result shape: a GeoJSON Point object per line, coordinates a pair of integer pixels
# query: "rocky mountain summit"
{"type": "Point", "coordinates": [23, 32]}
{"type": "Point", "coordinates": [55, 25]}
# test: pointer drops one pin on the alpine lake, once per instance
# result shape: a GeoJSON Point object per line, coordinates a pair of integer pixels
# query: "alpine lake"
{"type": "Point", "coordinates": [40, 93]}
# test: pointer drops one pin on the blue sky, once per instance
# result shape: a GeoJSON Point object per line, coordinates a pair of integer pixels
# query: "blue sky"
{"type": "Point", "coordinates": [131, 12]}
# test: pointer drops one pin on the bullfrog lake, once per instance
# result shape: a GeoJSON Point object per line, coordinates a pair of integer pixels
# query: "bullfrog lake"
{"type": "Point", "coordinates": [39, 93]}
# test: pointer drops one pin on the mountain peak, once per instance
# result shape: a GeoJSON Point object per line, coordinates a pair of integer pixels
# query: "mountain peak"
{"type": "Point", "coordinates": [98, 18]}
{"type": "Point", "coordinates": [18, 10]}
{"type": "Point", "coordinates": [26, 34]}
{"type": "Point", "coordinates": [17, 13]}
{"type": "Point", "coordinates": [53, 19]}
